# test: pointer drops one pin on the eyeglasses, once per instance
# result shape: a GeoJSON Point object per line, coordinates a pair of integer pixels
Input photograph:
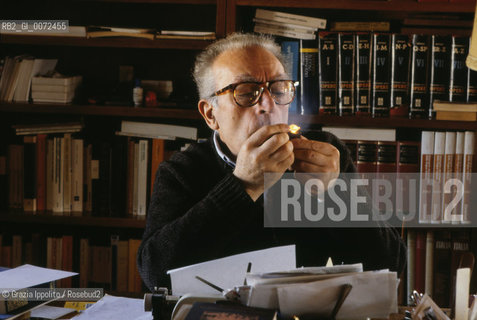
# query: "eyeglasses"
{"type": "Point", "coordinates": [247, 94]}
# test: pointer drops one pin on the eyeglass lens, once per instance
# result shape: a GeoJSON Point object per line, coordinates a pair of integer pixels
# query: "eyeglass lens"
{"type": "Point", "coordinates": [248, 94]}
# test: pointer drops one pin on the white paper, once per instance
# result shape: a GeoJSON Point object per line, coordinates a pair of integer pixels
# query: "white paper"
{"type": "Point", "coordinates": [49, 312]}
{"type": "Point", "coordinates": [230, 271]}
{"type": "Point", "coordinates": [374, 295]}
{"type": "Point", "coordinates": [118, 308]}
{"type": "Point", "coordinates": [27, 276]}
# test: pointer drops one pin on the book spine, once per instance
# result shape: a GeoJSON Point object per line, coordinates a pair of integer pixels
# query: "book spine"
{"type": "Point", "coordinates": [142, 177]}
{"type": "Point", "coordinates": [439, 70]}
{"type": "Point", "coordinates": [472, 86]}
{"type": "Point", "coordinates": [420, 261]}
{"type": "Point", "coordinates": [50, 174]}
{"type": "Point", "coordinates": [399, 77]}
{"type": "Point", "coordinates": [291, 53]}
{"type": "Point", "coordinates": [327, 73]}
{"type": "Point", "coordinates": [460, 245]}
{"type": "Point", "coordinates": [346, 53]}
{"type": "Point", "coordinates": [122, 263]}
{"type": "Point", "coordinates": [437, 177]}
{"type": "Point", "coordinates": [418, 84]}
{"type": "Point", "coordinates": [67, 173]}
{"type": "Point", "coordinates": [17, 245]}
{"type": "Point", "coordinates": [429, 273]}
{"type": "Point", "coordinates": [467, 176]}
{"type": "Point", "coordinates": [157, 156]}
{"type": "Point", "coordinates": [381, 68]}
{"type": "Point", "coordinates": [41, 172]}
{"type": "Point", "coordinates": [448, 174]}
{"type": "Point", "coordinates": [136, 177]}
{"type": "Point", "coordinates": [363, 73]}
{"type": "Point", "coordinates": [130, 178]}
{"type": "Point", "coordinates": [442, 265]}
{"type": "Point", "coordinates": [290, 33]}
{"type": "Point", "coordinates": [77, 175]}
{"type": "Point", "coordinates": [458, 174]}
{"type": "Point", "coordinates": [367, 156]}
{"type": "Point", "coordinates": [88, 178]}
{"type": "Point", "coordinates": [459, 72]}
{"type": "Point", "coordinates": [407, 162]}
{"type": "Point", "coordinates": [386, 159]}
{"type": "Point", "coordinates": [425, 196]}
{"type": "Point", "coordinates": [84, 263]}
{"type": "Point", "coordinates": [308, 77]}
{"type": "Point", "coordinates": [411, 264]}
{"type": "Point", "coordinates": [352, 146]}
{"type": "Point", "coordinates": [29, 176]}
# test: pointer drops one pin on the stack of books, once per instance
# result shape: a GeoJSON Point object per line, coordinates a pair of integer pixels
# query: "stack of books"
{"type": "Point", "coordinates": [287, 25]}
{"type": "Point", "coordinates": [455, 111]}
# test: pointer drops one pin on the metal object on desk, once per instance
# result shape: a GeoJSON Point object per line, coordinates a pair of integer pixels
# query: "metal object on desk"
{"type": "Point", "coordinates": [160, 303]}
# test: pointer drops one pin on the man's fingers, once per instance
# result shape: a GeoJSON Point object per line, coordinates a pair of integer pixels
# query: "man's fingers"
{"type": "Point", "coordinates": [313, 157]}
{"type": "Point", "coordinates": [322, 147]}
{"type": "Point", "coordinates": [283, 152]}
{"type": "Point", "coordinates": [264, 133]}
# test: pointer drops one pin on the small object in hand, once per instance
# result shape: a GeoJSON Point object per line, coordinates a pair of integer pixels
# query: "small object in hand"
{"type": "Point", "coordinates": [294, 132]}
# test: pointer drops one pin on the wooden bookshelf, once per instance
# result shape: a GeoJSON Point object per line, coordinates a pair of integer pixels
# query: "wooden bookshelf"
{"type": "Point", "coordinates": [390, 122]}
{"type": "Point", "coordinates": [111, 42]}
{"type": "Point", "coordinates": [84, 220]}
{"type": "Point", "coordinates": [159, 112]}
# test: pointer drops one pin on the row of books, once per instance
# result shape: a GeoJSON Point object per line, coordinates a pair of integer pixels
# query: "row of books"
{"type": "Point", "coordinates": [379, 74]}
{"type": "Point", "coordinates": [432, 260]}
{"type": "Point", "coordinates": [436, 159]}
{"type": "Point", "coordinates": [16, 74]}
{"type": "Point", "coordinates": [65, 175]}
{"type": "Point", "coordinates": [111, 266]}
{"type": "Point", "coordinates": [287, 25]}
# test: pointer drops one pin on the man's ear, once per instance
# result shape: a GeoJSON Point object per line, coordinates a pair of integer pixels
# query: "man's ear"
{"type": "Point", "coordinates": [207, 111]}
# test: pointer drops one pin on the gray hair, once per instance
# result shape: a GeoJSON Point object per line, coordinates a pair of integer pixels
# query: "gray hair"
{"type": "Point", "coordinates": [203, 75]}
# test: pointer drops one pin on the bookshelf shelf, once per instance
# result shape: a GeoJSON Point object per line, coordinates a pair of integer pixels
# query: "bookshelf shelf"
{"type": "Point", "coordinates": [369, 122]}
{"type": "Point", "coordinates": [199, 2]}
{"type": "Point", "coordinates": [103, 111]}
{"type": "Point", "coordinates": [79, 220]}
{"type": "Point", "coordinates": [113, 42]}
{"type": "Point", "coordinates": [392, 5]}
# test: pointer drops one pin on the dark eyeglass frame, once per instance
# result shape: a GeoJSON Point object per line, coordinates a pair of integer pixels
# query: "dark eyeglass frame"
{"type": "Point", "coordinates": [263, 85]}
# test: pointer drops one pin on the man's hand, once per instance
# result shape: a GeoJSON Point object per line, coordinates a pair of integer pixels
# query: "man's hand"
{"type": "Point", "coordinates": [267, 150]}
{"type": "Point", "coordinates": [320, 159]}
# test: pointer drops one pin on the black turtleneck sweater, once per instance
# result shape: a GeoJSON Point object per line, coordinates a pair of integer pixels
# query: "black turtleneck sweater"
{"type": "Point", "coordinates": [200, 211]}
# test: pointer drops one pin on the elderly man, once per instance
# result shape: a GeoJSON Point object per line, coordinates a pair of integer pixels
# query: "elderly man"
{"type": "Point", "coordinates": [207, 201]}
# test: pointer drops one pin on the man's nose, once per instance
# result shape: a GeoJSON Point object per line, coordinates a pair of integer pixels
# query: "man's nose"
{"type": "Point", "coordinates": [266, 102]}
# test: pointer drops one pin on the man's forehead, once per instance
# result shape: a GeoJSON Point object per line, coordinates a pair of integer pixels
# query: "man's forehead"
{"type": "Point", "coordinates": [248, 77]}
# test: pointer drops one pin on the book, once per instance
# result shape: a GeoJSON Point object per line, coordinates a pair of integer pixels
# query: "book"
{"type": "Point", "coordinates": [308, 77]}
{"type": "Point", "coordinates": [283, 32]}
{"type": "Point", "coordinates": [456, 116]}
{"type": "Point", "coordinates": [411, 264]}
{"type": "Point", "coordinates": [285, 26]}
{"type": "Point", "coordinates": [455, 106]}
{"type": "Point", "coordinates": [469, 146]}
{"type": "Point", "coordinates": [367, 156]}
{"type": "Point", "coordinates": [327, 76]}
{"type": "Point", "coordinates": [134, 279]}
{"type": "Point", "coordinates": [346, 73]}
{"type": "Point", "coordinates": [458, 70]}
{"type": "Point", "coordinates": [380, 76]}
{"type": "Point", "coordinates": [363, 73]}
{"type": "Point", "coordinates": [407, 162]}
{"type": "Point", "coordinates": [440, 56]}
{"type": "Point", "coordinates": [157, 156]}
{"type": "Point", "coordinates": [351, 133]}
{"type": "Point", "coordinates": [426, 172]}
{"type": "Point", "coordinates": [437, 176]}
{"type": "Point", "coordinates": [429, 269]}
{"type": "Point", "coordinates": [291, 54]}
{"type": "Point", "coordinates": [30, 174]}
{"type": "Point", "coordinates": [291, 18]}
{"type": "Point", "coordinates": [77, 166]}
{"type": "Point", "coordinates": [370, 26]}
{"type": "Point", "coordinates": [100, 31]}
{"type": "Point", "coordinates": [447, 175]}
{"type": "Point", "coordinates": [458, 173]}
{"type": "Point", "coordinates": [142, 182]}
{"type": "Point", "coordinates": [418, 82]}
{"type": "Point", "coordinates": [41, 172]}
{"type": "Point", "coordinates": [157, 129]}
{"type": "Point", "coordinates": [67, 172]}
{"type": "Point", "coordinates": [472, 86]}
{"type": "Point", "coordinates": [442, 265]}
{"type": "Point", "coordinates": [420, 264]}
{"type": "Point", "coordinates": [399, 75]}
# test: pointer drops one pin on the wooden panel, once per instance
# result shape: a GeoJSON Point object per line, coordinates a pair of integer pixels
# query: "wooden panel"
{"type": "Point", "coordinates": [391, 5]}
